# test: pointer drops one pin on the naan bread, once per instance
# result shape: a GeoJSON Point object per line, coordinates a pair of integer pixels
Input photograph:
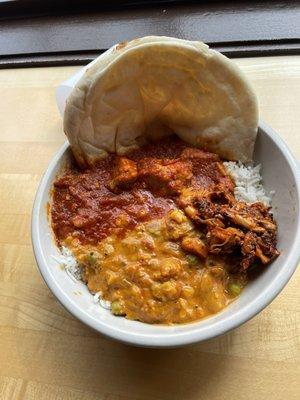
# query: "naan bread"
{"type": "Point", "coordinates": [153, 86]}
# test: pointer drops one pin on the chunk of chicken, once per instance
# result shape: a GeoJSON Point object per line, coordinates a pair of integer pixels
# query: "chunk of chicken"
{"type": "Point", "coordinates": [190, 195]}
{"type": "Point", "coordinates": [165, 177]}
{"type": "Point", "coordinates": [195, 246]}
{"type": "Point", "coordinates": [203, 204]}
{"type": "Point", "coordinates": [124, 174]}
{"type": "Point", "coordinates": [84, 218]}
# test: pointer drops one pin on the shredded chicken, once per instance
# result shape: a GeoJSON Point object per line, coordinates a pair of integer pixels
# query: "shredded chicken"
{"type": "Point", "coordinates": [225, 240]}
{"type": "Point", "coordinates": [201, 187]}
{"type": "Point", "coordinates": [233, 227]}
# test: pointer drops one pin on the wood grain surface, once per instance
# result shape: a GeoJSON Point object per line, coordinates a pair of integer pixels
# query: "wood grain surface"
{"type": "Point", "coordinates": [46, 354]}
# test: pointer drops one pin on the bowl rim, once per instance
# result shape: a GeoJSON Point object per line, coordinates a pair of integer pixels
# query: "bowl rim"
{"type": "Point", "coordinates": [178, 338]}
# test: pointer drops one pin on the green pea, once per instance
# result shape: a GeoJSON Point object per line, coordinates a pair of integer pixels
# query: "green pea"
{"type": "Point", "coordinates": [92, 258]}
{"type": "Point", "coordinates": [235, 289]}
{"type": "Point", "coordinates": [192, 260]}
{"type": "Point", "coordinates": [154, 229]}
{"type": "Point", "coordinates": [116, 308]}
{"type": "Point", "coordinates": [154, 232]}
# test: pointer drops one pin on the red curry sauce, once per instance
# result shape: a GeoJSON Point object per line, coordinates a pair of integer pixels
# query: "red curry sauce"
{"type": "Point", "coordinates": [84, 205]}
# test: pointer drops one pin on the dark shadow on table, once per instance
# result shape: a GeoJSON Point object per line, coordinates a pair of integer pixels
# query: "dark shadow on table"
{"type": "Point", "coordinates": [128, 372]}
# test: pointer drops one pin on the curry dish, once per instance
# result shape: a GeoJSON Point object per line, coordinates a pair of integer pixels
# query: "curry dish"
{"type": "Point", "coordinates": [159, 232]}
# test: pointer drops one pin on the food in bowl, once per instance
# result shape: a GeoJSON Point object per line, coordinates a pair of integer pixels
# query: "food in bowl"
{"type": "Point", "coordinates": [159, 235]}
{"type": "Point", "coordinates": [150, 215]}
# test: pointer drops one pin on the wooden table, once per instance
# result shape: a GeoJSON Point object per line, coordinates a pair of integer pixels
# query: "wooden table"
{"type": "Point", "coordinates": [46, 354]}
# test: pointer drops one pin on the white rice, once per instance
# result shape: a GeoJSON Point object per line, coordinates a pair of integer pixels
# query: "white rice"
{"type": "Point", "coordinates": [105, 304]}
{"type": "Point", "coordinates": [73, 269]}
{"type": "Point", "coordinates": [96, 297]}
{"type": "Point", "coordinates": [69, 263]}
{"type": "Point", "coordinates": [248, 183]}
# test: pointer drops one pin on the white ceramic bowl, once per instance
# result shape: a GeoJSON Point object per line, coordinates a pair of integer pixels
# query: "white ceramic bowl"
{"type": "Point", "coordinates": [280, 173]}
